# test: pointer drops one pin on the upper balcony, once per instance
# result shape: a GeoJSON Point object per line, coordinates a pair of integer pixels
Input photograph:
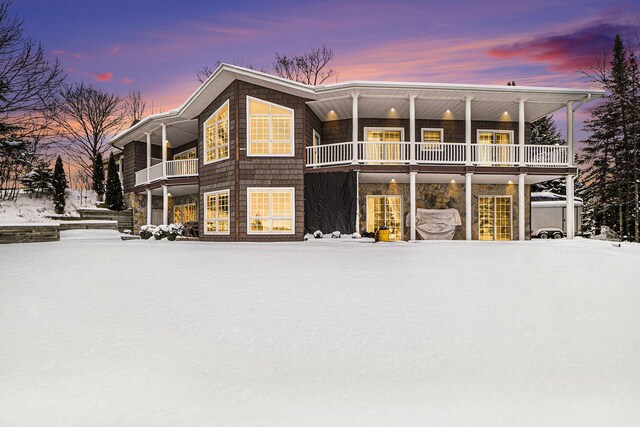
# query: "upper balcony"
{"type": "Point", "coordinates": [168, 169]}
{"type": "Point", "coordinates": [444, 153]}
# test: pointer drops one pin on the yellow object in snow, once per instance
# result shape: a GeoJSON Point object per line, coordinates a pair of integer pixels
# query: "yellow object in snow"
{"type": "Point", "coordinates": [383, 235]}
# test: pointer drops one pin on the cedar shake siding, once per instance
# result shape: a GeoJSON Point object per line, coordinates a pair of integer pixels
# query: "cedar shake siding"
{"type": "Point", "coordinates": [238, 175]}
{"type": "Point", "coordinates": [340, 130]}
{"type": "Point", "coordinates": [271, 171]}
{"type": "Point", "coordinates": [220, 175]}
{"type": "Point", "coordinates": [135, 159]}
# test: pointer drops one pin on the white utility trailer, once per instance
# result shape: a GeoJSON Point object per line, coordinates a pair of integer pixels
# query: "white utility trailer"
{"type": "Point", "coordinates": [549, 215]}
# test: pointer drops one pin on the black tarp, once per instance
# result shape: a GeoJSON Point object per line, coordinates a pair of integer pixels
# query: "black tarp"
{"type": "Point", "coordinates": [330, 202]}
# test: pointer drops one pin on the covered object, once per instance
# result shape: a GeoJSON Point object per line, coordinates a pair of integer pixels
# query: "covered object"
{"type": "Point", "coordinates": [436, 224]}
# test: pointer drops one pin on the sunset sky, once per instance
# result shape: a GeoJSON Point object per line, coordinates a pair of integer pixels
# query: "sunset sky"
{"type": "Point", "coordinates": [158, 46]}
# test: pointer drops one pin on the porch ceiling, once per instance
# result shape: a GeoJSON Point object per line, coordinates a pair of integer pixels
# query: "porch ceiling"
{"type": "Point", "coordinates": [176, 190]}
{"type": "Point", "coordinates": [489, 105]}
{"type": "Point", "coordinates": [403, 178]}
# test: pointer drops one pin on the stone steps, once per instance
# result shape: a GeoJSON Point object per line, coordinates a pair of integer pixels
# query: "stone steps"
{"type": "Point", "coordinates": [89, 225]}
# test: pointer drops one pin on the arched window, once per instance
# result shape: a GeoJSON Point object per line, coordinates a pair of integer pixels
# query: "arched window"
{"type": "Point", "coordinates": [269, 129]}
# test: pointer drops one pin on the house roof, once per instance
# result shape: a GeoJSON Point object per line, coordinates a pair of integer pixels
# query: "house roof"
{"type": "Point", "coordinates": [377, 99]}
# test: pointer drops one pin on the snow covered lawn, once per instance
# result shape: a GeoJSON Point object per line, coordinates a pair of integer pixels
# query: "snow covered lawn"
{"type": "Point", "coordinates": [105, 332]}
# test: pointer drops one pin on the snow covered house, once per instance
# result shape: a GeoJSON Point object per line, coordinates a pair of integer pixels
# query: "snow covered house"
{"type": "Point", "coordinates": [254, 157]}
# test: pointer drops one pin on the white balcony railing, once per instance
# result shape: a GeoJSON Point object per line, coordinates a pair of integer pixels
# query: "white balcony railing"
{"type": "Point", "coordinates": [437, 153]}
{"type": "Point", "coordinates": [174, 168]}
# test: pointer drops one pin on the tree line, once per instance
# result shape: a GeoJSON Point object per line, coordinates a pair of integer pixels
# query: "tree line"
{"type": "Point", "coordinates": [609, 159]}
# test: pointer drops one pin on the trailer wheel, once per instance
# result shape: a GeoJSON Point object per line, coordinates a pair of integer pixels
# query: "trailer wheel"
{"type": "Point", "coordinates": [557, 235]}
{"type": "Point", "coordinates": [543, 235]}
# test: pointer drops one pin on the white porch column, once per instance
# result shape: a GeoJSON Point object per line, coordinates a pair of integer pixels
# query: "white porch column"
{"type": "Point", "coordinates": [149, 203]}
{"type": "Point", "coordinates": [521, 207]}
{"type": "Point", "coordinates": [164, 149]}
{"type": "Point", "coordinates": [571, 220]}
{"type": "Point", "coordinates": [357, 227]}
{"type": "Point", "coordinates": [412, 205]}
{"type": "Point", "coordinates": [467, 130]}
{"type": "Point", "coordinates": [521, 125]}
{"type": "Point", "coordinates": [467, 201]}
{"type": "Point", "coordinates": [165, 204]}
{"type": "Point", "coordinates": [354, 125]}
{"type": "Point", "coordinates": [570, 155]}
{"type": "Point", "coordinates": [148, 155]}
{"type": "Point", "coordinates": [412, 130]}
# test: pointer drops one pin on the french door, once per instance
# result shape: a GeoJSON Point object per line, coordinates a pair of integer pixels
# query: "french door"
{"type": "Point", "coordinates": [494, 218]}
{"type": "Point", "coordinates": [495, 147]}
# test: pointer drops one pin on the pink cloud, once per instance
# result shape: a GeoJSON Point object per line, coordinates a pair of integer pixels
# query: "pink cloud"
{"type": "Point", "coordinates": [566, 51]}
{"type": "Point", "coordinates": [115, 50]}
{"type": "Point", "coordinates": [103, 77]}
{"type": "Point", "coordinates": [127, 80]}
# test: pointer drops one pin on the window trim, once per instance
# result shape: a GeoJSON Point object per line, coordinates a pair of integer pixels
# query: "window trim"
{"type": "Point", "coordinates": [370, 196]}
{"type": "Point", "coordinates": [204, 135]}
{"type": "Point", "coordinates": [494, 131]}
{"type": "Point", "coordinates": [248, 139]}
{"type": "Point", "coordinates": [205, 218]}
{"type": "Point", "coordinates": [493, 196]}
{"type": "Point", "coordinates": [292, 190]}
{"type": "Point", "coordinates": [367, 129]}
{"type": "Point", "coordinates": [185, 152]}
{"type": "Point", "coordinates": [430, 145]}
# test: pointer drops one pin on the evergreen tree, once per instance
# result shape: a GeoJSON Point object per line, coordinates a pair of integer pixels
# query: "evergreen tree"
{"type": "Point", "coordinates": [98, 175]}
{"type": "Point", "coordinates": [59, 186]}
{"type": "Point", "coordinates": [38, 181]}
{"type": "Point", "coordinates": [545, 132]}
{"type": "Point", "coordinates": [611, 152]}
{"type": "Point", "coordinates": [113, 197]}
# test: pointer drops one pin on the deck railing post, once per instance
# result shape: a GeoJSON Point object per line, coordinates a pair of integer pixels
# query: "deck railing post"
{"type": "Point", "coordinates": [412, 132]}
{"type": "Point", "coordinates": [570, 133]}
{"type": "Point", "coordinates": [467, 130]}
{"type": "Point", "coordinates": [521, 126]}
{"type": "Point", "coordinates": [148, 155]}
{"type": "Point", "coordinates": [164, 150]}
{"type": "Point", "coordinates": [354, 126]}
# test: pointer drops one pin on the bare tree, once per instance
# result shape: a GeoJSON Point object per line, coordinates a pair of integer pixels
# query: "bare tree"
{"type": "Point", "coordinates": [206, 71]}
{"type": "Point", "coordinates": [135, 107]}
{"type": "Point", "coordinates": [29, 80]}
{"type": "Point", "coordinates": [311, 68]}
{"type": "Point", "coordinates": [87, 117]}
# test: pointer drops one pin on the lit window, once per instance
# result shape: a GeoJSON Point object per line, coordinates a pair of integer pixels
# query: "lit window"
{"type": "Point", "coordinates": [432, 139]}
{"type": "Point", "coordinates": [270, 130]}
{"type": "Point", "coordinates": [271, 210]}
{"type": "Point", "coordinates": [494, 217]}
{"type": "Point", "coordinates": [385, 144]}
{"type": "Point", "coordinates": [185, 155]}
{"type": "Point", "coordinates": [184, 213]}
{"type": "Point", "coordinates": [385, 211]}
{"type": "Point", "coordinates": [216, 212]}
{"type": "Point", "coordinates": [216, 135]}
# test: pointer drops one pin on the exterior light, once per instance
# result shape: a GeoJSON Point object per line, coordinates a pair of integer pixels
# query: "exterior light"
{"type": "Point", "coordinates": [168, 194]}
{"type": "Point", "coordinates": [393, 180]}
{"type": "Point", "coordinates": [448, 111]}
{"type": "Point", "coordinates": [453, 181]}
{"type": "Point", "coordinates": [506, 112]}
{"type": "Point", "coordinates": [510, 182]}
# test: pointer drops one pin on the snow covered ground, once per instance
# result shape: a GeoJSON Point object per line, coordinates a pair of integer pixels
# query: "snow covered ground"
{"type": "Point", "coordinates": [97, 331]}
{"type": "Point", "coordinates": [31, 209]}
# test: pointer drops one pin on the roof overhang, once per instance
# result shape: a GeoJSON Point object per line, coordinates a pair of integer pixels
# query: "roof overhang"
{"type": "Point", "coordinates": [376, 100]}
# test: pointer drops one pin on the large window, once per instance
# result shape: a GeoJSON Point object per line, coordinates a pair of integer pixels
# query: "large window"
{"type": "Point", "coordinates": [216, 212]}
{"type": "Point", "coordinates": [270, 129]}
{"type": "Point", "coordinates": [494, 217]}
{"type": "Point", "coordinates": [184, 213]}
{"type": "Point", "coordinates": [385, 211]}
{"type": "Point", "coordinates": [271, 211]}
{"type": "Point", "coordinates": [216, 135]}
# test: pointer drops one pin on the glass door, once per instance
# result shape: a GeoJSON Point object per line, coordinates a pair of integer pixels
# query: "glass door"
{"type": "Point", "coordinates": [494, 218]}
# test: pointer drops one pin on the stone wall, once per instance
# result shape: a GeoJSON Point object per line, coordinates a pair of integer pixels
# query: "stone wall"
{"type": "Point", "coordinates": [444, 196]}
